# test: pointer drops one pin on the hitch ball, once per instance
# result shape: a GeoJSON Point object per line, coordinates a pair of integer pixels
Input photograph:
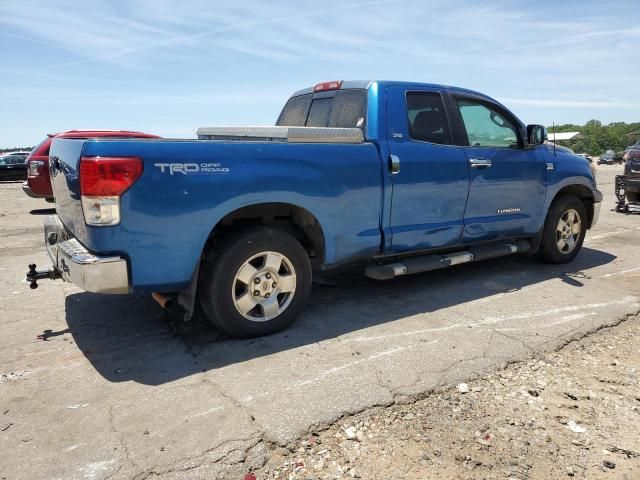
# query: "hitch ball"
{"type": "Point", "coordinates": [31, 274]}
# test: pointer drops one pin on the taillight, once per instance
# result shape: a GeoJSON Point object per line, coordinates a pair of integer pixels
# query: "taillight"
{"type": "Point", "coordinates": [36, 167]}
{"type": "Point", "coordinates": [103, 180]}
{"type": "Point", "coordinates": [323, 87]}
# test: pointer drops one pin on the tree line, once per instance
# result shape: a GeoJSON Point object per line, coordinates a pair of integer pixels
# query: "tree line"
{"type": "Point", "coordinates": [597, 138]}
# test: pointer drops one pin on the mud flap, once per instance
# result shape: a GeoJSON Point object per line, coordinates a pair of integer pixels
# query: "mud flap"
{"type": "Point", "coordinates": [180, 307]}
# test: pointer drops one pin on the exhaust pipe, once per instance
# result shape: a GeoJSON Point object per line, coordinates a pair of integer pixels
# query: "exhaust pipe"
{"type": "Point", "coordinates": [165, 302]}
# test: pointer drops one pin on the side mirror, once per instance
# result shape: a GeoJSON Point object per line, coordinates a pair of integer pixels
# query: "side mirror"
{"type": "Point", "coordinates": [536, 134]}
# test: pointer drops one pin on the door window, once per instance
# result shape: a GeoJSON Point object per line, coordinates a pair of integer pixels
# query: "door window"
{"type": "Point", "coordinates": [486, 127]}
{"type": "Point", "coordinates": [427, 118]}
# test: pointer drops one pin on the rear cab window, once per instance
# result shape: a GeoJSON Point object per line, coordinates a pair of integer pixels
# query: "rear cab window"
{"type": "Point", "coordinates": [427, 118]}
{"type": "Point", "coordinates": [336, 109]}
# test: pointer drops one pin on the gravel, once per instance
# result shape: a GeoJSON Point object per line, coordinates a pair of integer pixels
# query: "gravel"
{"type": "Point", "coordinates": [574, 413]}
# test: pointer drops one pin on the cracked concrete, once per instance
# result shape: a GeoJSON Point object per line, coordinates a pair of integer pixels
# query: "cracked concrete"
{"type": "Point", "coordinates": [109, 392]}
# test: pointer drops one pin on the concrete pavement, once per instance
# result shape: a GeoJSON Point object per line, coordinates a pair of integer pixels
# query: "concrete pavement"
{"type": "Point", "coordinates": [109, 392]}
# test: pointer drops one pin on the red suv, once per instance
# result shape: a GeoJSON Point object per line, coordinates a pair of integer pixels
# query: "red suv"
{"type": "Point", "coordinates": [38, 184]}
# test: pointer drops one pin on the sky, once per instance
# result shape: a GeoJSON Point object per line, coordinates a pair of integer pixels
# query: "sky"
{"type": "Point", "coordinates": [169, 67]}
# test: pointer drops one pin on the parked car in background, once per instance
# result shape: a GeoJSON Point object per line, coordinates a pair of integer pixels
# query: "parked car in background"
{"type": "Point", "coordinates": [635, 146]}
{"type": "Point", "coordinates": [607, 158]}
{"type": "Point", "coordinates": [38, 184]}
{"type": "Point", "coordinates": [632, 173]}
{"type": "Point", "coordinates": [21, 154]}
{"type": "Point", "coordinates": [12, 166]}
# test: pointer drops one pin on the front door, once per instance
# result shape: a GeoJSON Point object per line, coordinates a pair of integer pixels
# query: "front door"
{"type": "Point", "coordinates": [429, 175]}
{"type": "Point", "coordinates": [507, 180]}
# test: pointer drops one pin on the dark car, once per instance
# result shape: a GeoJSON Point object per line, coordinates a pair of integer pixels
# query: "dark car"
{"type": "Point", "coordinates": [607, 158]}
{"type": "Point", "coordinates": [13, 166]}
{"type": "Point", "coordinates": [632, 173]}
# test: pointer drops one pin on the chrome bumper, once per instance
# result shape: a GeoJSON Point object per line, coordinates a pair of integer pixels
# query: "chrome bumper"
{"type": "Point", "coordinates": [79, 266]}
{"type": "Point", "coordinates": [597, 203]}
{"type": "Point", "coordinates": [596, 214]}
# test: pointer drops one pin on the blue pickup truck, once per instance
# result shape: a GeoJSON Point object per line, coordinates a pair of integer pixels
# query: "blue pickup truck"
{"type": "Point", "coordinates": [396, 177]}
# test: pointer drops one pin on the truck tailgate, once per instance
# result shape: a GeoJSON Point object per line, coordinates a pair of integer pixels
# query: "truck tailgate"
{"type": "Point", "coordinates": [64, 159]}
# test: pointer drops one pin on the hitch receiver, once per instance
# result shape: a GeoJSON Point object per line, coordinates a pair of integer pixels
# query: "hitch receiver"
{"type": "Point", "coordinates": [33, 275]}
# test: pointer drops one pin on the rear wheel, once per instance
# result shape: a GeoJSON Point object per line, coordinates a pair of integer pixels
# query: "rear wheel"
{"type": "Point", "coordinates": [255, 282]}
{"type": "Point", "coordinates": [564, 230]}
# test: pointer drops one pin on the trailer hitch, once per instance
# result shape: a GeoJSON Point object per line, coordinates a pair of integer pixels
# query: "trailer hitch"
{"type": "Point", "coordinates": [33, 275]}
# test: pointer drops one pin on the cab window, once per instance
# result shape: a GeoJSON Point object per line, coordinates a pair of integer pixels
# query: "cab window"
{"type": "Point", "coordinates": [427, 118]}
{"type": "Point", "coordinates": [485, 126]}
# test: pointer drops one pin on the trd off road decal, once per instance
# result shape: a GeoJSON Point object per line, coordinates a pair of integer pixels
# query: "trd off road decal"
{"type": "Point", "coordinates": [191, 168]}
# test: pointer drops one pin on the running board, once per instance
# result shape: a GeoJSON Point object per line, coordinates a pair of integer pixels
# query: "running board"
{"type": "Point", "coordinates": [426, 263]}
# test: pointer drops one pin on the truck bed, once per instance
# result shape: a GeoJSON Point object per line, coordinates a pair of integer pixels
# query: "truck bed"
{"type": "Point", "coordinates": [188, 186]}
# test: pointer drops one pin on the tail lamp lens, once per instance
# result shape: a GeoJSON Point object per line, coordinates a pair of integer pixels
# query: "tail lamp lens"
{"type": "Point", "coordinates": [101, 210]}
{"type": "Point", "coordinates": [108, 176]}
{"type": "Point", "coordinates": [35, 167]}
{"type": "Point", "coordinates": [103, 180]}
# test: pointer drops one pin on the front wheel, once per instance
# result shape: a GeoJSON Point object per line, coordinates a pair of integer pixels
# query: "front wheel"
{"type": "Point", "coordinates": [564, 230]}
{"type": "Point", "coordinates": [255, 282]}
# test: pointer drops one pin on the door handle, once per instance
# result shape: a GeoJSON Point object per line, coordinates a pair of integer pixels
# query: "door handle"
{"type": "Point", "coordinates": [480, 162]}
{"type": "Point", "coordinates": [394, 164]}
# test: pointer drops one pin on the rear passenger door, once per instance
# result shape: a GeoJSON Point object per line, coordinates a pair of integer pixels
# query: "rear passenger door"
{"type": "Point", "coordinates": [507, 179]}
{"type": "Point", "coordinates": [429, 175]}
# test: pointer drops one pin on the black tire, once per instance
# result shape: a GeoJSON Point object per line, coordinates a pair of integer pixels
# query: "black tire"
{"type": "Point", "coordinates": [633, 196]}
{"type": "Point", "coordinates": [219, 289]}
{"type": "Point", "coordinates": [549, 251]}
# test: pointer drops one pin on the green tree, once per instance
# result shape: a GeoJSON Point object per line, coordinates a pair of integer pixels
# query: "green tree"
{"type": "Point", "coordinates": [596, 138]}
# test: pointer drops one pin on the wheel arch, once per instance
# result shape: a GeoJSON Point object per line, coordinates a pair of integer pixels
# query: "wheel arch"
{"type": "Point", "coordinates": [583, 193]}
{"type": "Point", "coordinates": [295, 219]}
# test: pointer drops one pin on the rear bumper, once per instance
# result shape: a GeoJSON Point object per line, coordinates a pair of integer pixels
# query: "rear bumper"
{"type": "Point", "coordinates": [93, 273]}
{"type": "Point", "coordinates": [30, 193]}
{"type": "Point", "coordinates": [40, 185]}
{"type": "Point", "coordinates": [27, 191]}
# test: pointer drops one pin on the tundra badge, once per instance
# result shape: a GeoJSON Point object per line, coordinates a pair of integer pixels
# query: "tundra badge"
{"type": "Point", "coordinates": [508, 210]}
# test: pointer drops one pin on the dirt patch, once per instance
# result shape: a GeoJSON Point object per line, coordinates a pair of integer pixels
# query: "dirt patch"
{"type": "Point", "coordinates": [572, 414]}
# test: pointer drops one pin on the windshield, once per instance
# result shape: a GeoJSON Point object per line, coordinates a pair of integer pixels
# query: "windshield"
{"type": "Point", "coordinates": [11, 160]}
{"type": "Point", "coordinates": [337, 109]}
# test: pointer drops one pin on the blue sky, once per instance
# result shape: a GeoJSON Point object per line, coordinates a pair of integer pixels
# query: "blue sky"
{"type": "Point", "coordinates": [169, 67]}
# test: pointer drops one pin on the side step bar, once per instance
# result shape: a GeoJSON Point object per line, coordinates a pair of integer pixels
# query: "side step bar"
{"type": "Point", "coordinates": [426, 263]}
